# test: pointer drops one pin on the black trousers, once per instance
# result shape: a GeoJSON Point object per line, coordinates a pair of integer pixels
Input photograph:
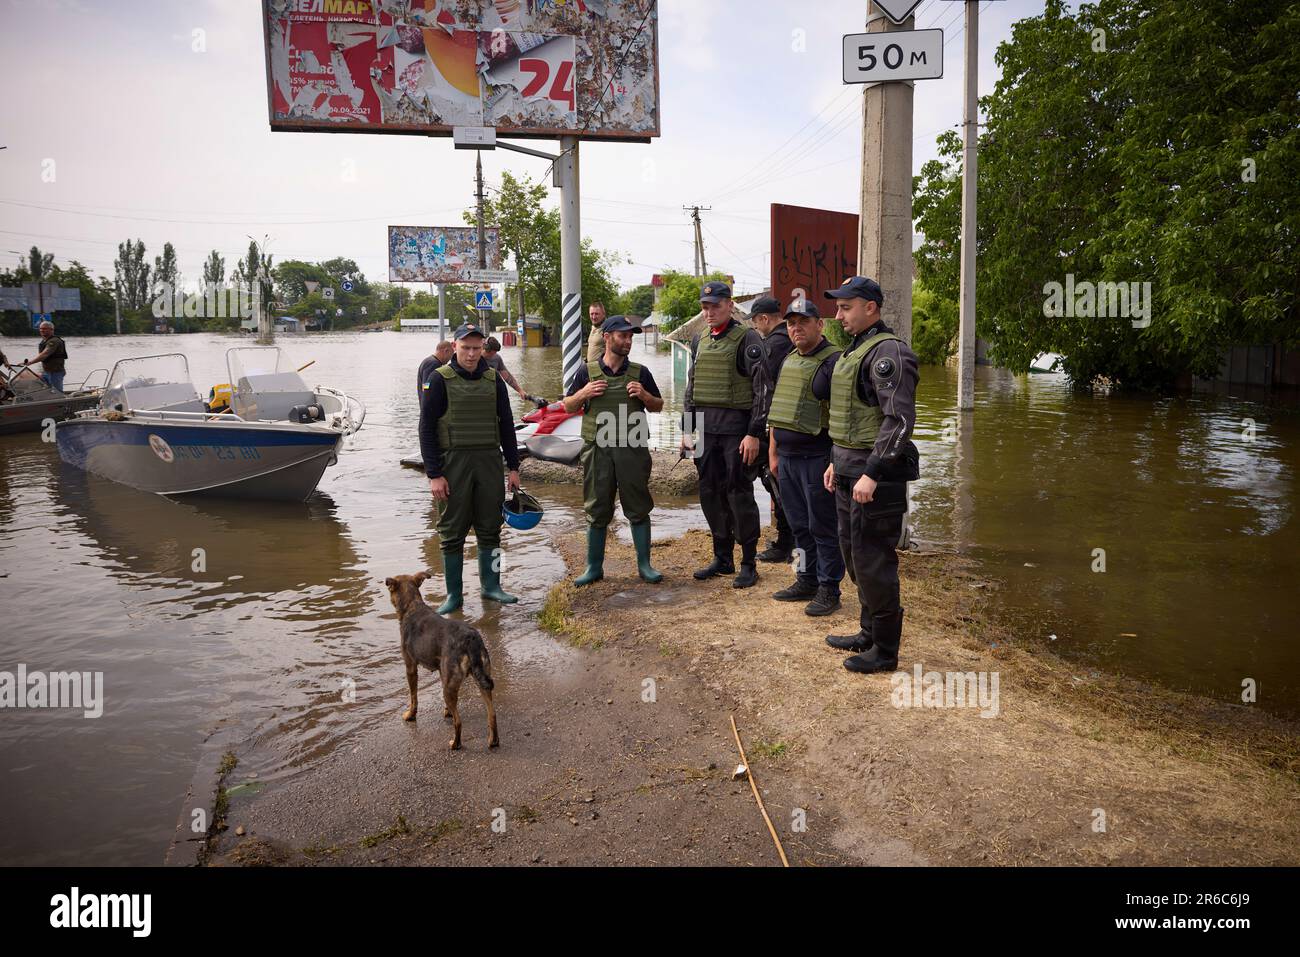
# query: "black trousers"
{"type": "Point", "coordinates": [784, 533]}
{"type": "Point", "coordinates": [814, 520]}
{"type": "Point", "coordinates": [727, 495]}
{"type": "Point", "coordinates": [869, 543]}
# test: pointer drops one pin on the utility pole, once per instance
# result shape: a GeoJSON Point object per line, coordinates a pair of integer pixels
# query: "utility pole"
{"type": "Point", "coordinates": [701, 267]}
{"type": "Point", "coordinates": [885, 222]}
{"type": "Point", "coordinates": [566, 178]}
{"type": "Point", "coordinates": [969, 179]}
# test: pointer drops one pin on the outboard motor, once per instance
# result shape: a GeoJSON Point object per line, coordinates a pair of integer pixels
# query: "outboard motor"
{"type": "Point", "coordinates": [302, 414]}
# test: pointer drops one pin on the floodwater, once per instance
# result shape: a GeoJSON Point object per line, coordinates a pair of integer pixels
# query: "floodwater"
{"type": "Point", "coordinates": [285, 638]}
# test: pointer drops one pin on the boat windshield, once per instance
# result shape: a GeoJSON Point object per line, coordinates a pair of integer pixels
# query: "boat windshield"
{"type": "Point", "coordinates": [262, 369]}
{"type": "Point", "coordinates": [266, 386]}
{"type": "Point", "coordinates": [152, 383]}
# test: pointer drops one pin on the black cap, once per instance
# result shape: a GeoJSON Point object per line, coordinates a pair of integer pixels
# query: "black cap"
{"type": "Point", "coordinates": [715, 292]}
{"type": "Point", "coordinates": [618, 324]}
{"type": "Point", "coordinates": [467, 329]}
{"type": "Point", "coordinates": [764, 305]}
{"type": "Point", "coordinates": [803, 307]}
{"type": "Point", "coordinates": [858, 287]}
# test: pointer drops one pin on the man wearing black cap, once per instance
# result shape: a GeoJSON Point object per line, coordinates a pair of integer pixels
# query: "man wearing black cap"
{"type": "Point", "coordinates": [724, 401]}
{"type": "Point", "coordinates": [466, 426]}
{"type": "Point", "coordinates": [871, 417]}
{"type": "Point", "coordinates": [799, 453]}
{"type": "Point", "coordinates": [766, 315]}
{"type": "Point", "coordinates": [615, 394]}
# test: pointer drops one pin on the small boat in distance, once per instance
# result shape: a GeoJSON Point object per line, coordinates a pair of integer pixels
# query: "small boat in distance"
{"type": "Point", "coordinates": [26, 401]}
{"type": "Point", "coordinates": [153, 432]}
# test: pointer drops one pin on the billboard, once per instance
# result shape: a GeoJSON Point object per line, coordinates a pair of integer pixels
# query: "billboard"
{"type": "Point", "coordinates": [813, 250]}
{"type": "Point", "coordinates": [438, 253]}
{"type": "Point", "coordinates": [528, 68]}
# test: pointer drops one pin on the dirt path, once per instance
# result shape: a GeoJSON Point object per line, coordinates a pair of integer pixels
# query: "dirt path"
{"type": "Point", "coordinates": [1075, 768]}
{"type": "Point", "coordinates": [588, 773]}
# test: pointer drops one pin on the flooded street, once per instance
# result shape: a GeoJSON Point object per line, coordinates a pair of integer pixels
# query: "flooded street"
{"type": "Point", "coordinates": [286, 639]}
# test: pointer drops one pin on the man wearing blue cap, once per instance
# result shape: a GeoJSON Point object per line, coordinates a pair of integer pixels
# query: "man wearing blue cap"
{"type": "Point", "coordinates": [800, 451]}
{"type": "Point", "coordinates": [615, 394]}
{"type": "Point", "coordinates": [768, 319]}
{"type": "Point", "coordinates": [871, 417]}
{"type": "Point", "coordinates": [724, 401]}
{"type": "Point", "coordinates": [466, 427]}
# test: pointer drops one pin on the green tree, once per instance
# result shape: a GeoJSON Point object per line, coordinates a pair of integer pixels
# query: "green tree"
{"type": "Point", "coordinates": [214, 270]}
{"type": "Point", "coordinates": [132, 275]}
{"type": "Point", "coordinates": [934, 325]}
{"type": "Point", "coordinates": [680, 299]}
{"type": "Point", "coordinates": [1133, 141]}
{"type": "Point", "coordinates": [637, 301]}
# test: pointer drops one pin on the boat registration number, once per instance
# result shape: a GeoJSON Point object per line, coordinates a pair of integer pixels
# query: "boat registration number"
{"type": "Point", "coordinates": [222, 453]}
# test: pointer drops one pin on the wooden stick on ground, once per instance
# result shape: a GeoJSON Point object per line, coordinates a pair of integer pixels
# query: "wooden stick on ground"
{"type": "Point", "coordinates": [749, 773]}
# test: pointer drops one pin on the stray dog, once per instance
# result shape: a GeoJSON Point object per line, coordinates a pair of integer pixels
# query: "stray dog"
{"type": "Point", "coordinates": [451, 648]}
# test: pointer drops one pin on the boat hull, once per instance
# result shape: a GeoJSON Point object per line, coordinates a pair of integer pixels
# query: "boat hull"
{"type": "Point", "coordinates": [226, 459]}
{"type": "Point", "coordinates": [28, 416]}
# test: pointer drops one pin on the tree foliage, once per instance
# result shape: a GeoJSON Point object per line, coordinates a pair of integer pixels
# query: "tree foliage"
{"type": "Point", "coordinates": [1133, 141]}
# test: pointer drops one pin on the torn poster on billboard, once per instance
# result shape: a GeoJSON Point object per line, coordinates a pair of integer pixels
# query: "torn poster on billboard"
{"type": "Point", "coordinates": [525, 67]}
{"type": "Point", "coordinates": [438, 253]}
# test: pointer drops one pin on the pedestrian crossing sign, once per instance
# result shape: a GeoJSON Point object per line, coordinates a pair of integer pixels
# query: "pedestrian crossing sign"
{"type": "Point", "coordinates": [483, 299]}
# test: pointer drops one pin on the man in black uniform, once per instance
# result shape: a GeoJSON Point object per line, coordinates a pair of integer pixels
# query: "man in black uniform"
{"type": "Point", "coordinates": [724, 401]}
{"type": "Point", "coordinates": [441, 353]}
{"type": "Point", "coordinates": [871, 417]}
{"type": "Point", "coordinates": [466, 427]}
{"type": "Point", "coordinates": [800, 452]}
{"type": "Point", "coordinates": [615, 394]}
{"type": "Point", "coordinates": [766, 315]}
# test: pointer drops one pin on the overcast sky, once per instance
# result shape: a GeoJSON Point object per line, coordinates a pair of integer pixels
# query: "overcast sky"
{"type": "Point", "coordinates": [151, 139]}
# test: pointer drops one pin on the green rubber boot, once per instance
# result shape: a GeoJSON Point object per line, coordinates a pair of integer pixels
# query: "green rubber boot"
{"type": "Point", "coordinates": [641, 539]}
{"type": "Point", "coordinates": [453, 570]}
{"type": "Point", "coordinates": [595, 556]}
{"type": "Point", "coordinates": [489, 579]}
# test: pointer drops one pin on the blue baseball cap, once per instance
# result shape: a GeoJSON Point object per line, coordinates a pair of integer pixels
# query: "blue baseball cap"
{"type": "Point", "coordinates": [618, 324]}
{"type": "Point", "coordinates": [467, 329]}
{"type": "Point", "coordinates": [803, 307]}
{"type": "Point", "coordinates": [715, 292]}
{"type": "Point", "coordinates": [858, 287]}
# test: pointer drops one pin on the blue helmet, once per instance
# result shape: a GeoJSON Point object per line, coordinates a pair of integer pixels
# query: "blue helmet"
{"type": "Point", "coordinates": [522, 511]}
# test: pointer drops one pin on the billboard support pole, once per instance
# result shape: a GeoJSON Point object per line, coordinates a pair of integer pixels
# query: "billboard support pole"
{"type": "Point", "coordinates": [442, 311]}
{"type": "Point", "coordinates": [566, 178]}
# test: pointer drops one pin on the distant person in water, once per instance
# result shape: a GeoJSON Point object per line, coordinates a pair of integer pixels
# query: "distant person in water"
{"type": "Point", "coordinates": [441, 353]}
{"type": "Point", "coordinates": [492, 356]}
{"type": "Point", "coordinates": [52, 356]}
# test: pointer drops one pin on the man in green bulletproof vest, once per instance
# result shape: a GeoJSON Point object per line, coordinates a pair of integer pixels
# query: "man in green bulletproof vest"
{"type": "Point", "coordinates": [724, 402]}
{"type": "Point", "coordinates": [871, 417]}
{"type": "Point", "coordinates": [466, 427]}
{"type": "Point", "coordinates": [615, 394]}
{"type": "Point", "coordinates": [799, 452]}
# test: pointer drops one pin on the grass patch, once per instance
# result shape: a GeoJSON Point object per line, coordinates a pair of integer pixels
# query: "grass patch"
{"type": "Point", "coordinates": [770, 749]}
{"type": "Point", "coordinates": [387, 834]}
{"type": "Point", "coordinates": [556, 617]}
{"type": "Point", "coordinates": [228, 763]}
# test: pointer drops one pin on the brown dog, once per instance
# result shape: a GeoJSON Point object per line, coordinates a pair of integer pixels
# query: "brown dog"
{"type": "Point", "coordinates": [451, 648]}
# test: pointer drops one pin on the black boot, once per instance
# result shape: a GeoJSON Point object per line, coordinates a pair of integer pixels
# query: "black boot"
{"type": "Point", "coordinates": [721, 564]}
{"type": "Point", "coordinates": [887, 634]}
{"type": "Point", "coordinates": [859, 641]}
{"type": "Point", "coordinates": [777, 551]}
{"type": "Point", "coordinates": [799, 591]}
{"type": "Point", "coordinates": [856, 642]}
{"type": "Point", "coordinates": [825, 603]}
{"type": "Point", "coordinates": [747, 577]}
